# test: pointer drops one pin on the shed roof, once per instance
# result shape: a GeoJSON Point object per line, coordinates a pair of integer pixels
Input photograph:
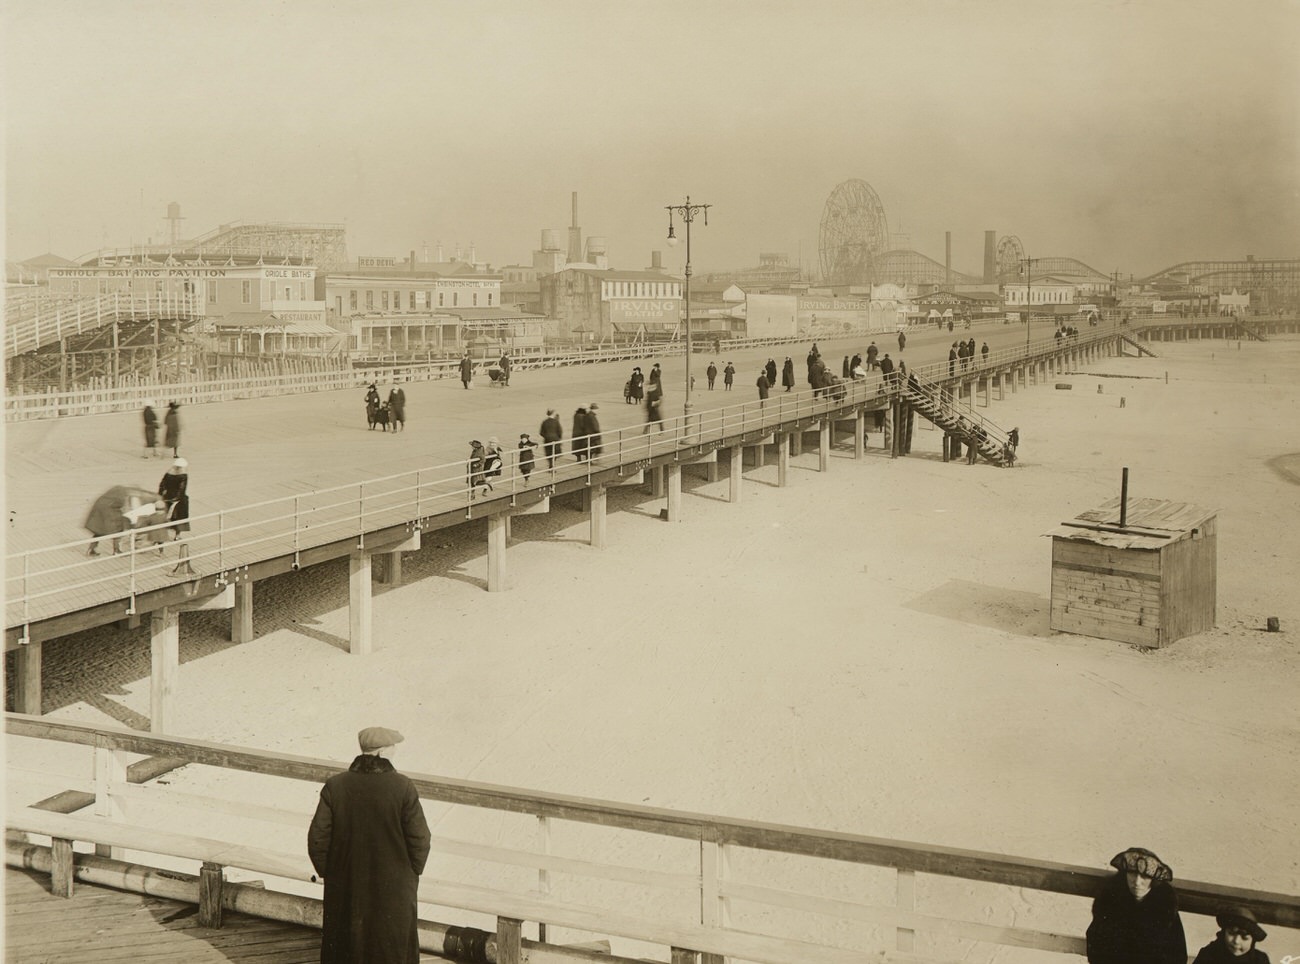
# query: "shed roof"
{"type": "Point", "coordinates": [1149, 524]}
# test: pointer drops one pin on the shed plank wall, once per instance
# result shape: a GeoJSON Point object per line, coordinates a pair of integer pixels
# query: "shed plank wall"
{"type": "Point", "coordinates": [1188, 584]}
{"type": "Point", "coordinates": [1105, 592]}
{"type": "Point", "coordinates": [1122, 561]}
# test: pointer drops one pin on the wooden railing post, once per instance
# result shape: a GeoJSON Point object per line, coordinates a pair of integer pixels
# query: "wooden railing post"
{"type": "Point", "coordinates": [510, 943]}
{"type": "Point", "coordinates": [906, 903]}
{"type": "Point", "coordinates": [211, 882]}
{"type": "Point", "coordinates": [62, 867]}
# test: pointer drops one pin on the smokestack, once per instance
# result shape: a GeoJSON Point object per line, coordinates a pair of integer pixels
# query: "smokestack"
{"type": "Point", "coordinates": [575, 235]}
{"type": "Point", "coordinates": [656, 261]}
{"type": "Point", "coordinates": [473, 253]}
{"type": "Point", "coordinates": [990, 257]}
{"type": "Point", "coordinates": [412, 261]}
{"type": "Point", "coordinates": [947, 257]}
{"type": "Point", "coordinates": [440, 251]}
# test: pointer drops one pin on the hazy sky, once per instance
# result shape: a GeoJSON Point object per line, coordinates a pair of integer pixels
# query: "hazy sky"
{"type": "Point", "coordinates": [1130, 135]}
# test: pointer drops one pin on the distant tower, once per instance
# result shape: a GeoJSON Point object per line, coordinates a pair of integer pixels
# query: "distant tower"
{"type": "Point", "coordinates": [426, 252]}
{"type": "Point", "coordinates": [174, 220]}
{"type": "Point", "coordinates": [575, 234]}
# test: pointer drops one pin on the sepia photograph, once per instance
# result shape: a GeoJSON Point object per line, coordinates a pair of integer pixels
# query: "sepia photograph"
{"type": "Point", "coordinates": [691, 482]}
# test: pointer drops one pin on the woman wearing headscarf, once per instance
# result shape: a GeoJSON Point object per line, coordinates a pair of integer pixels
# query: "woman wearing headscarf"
{"type": "Point", "coordinates": [1135, 917]}
{"type": "Point", "coordinates": [174, 491]}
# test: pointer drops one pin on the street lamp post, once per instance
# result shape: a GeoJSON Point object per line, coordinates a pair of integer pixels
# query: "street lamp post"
{"type": "Point", "coordinates": [1027, 269]}
{"type": "Point", "coordinates": [687, 212]}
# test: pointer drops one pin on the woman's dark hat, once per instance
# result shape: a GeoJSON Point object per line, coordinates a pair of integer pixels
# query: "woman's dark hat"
{"type": "Point", "coordinates": [1244, 918]}
{"type": "Point", "coordinates": [1142, 861]}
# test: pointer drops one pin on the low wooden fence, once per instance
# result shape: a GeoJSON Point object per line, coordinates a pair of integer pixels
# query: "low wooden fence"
{"type": "Point", "coordinates": [749, 890]}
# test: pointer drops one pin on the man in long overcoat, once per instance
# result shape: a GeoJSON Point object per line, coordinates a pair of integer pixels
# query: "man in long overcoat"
{"type": "Point", "coordinates": [552, 432]}
{"type": "Point", "coordinates": [370, 841]}
{"type": "Point", "coordinates": [466, 370]}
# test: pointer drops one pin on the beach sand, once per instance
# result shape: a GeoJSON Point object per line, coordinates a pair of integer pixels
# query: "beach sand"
{"type": "Point", "coordinates": [865, 650]}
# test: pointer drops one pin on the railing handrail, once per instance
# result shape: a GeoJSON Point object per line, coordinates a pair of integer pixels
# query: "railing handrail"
{"type": "Point", "coordinates": [1197, 897]}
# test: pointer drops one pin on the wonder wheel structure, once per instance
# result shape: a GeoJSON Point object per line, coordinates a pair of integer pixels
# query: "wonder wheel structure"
{"type": "Point", "coordinates": [1010, 253]}
{"type": "Point", "coordinates": [854, 234]}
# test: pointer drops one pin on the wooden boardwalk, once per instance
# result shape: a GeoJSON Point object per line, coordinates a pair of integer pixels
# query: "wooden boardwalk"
{"type": "Point", "coordinates": [102, 925]}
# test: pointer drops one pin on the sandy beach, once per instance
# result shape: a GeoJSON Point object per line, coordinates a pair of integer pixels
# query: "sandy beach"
{"type": "Point", "coordinates": [864, 650]}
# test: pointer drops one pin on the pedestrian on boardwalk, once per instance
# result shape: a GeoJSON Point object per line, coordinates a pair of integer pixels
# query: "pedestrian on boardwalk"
{"type": "Point", "coordinates": [872, 352]}
{"type": "Point", "coordinates": [552, 432]}
{"type": "Point", "coordinates": [121, 509]}
{"type": "Point", "coordinates": [763, 386]}
{"type": "Point", "coordinates": [902, 340]}
{"type": "Point", "coordinates": [595, 444]}
{"type": "Point", "coordinates": [475, 471]}
{"type": "Point", "coordinates": [962, 356]}
{"type": "Point", "coordinates": [494, 458]}
{"type": "Point", "coordinates": [504, 365]}
{"type": "Point", "coordinates": [466, 369]}
{"type": "Point", "coordinates": [653, 416]}
{"type": "Point", "coordinates": [984, 353]}
{"type": "Point", "coordinates": [887, 370]}
{"type": "Point", "coordinates": [1135, 917]}
{"type": "Point", "coordinates": [711, 373]}
{"type": "Point", "coordinates": [397, 408]}
{"type": "Point", "coordinates": [527, 450]}
{"type": "Point", "coordinates": [636, 386]}
{"type": "Point", "coordinates": [150, 429]}
{"type": "Point", "coordinates": [369, 840]}
{"type": "Point", "coordinates": [846, 367]}
{"type": "Point", "coordinates": [952, 359]}
{"type": "Point", "coordinates": [174, 491]}
{"type": "Point", "coordinates": [580, 441]}
{"type": "Point", "coordinates": [787, 373]}
{"type": "Point", "coordinates": [728, 376]}
{"type": "Point", "coordinates": [1235, 943]}
{"type": "Point", "coordinates": [771, 372]}
{"type": "Point", "coordinates": [854, 362]}
{"type": "Point", "coordinates": [172, 425]}
{"type": "Point", "coordinates": [656, 376]}
{"type": "Point", "coordinates": [970, 350]}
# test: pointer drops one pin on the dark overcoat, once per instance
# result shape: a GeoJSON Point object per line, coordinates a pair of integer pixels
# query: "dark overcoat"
{"type": "Point", "coordinates": [1216, 952]}
{"type": "Point", "coordinates": [172, 423]}
{"type": "Point", "coordinates": [1129, 931]}
{"type": "Point", "coordinates": [637, 383]}
{"type": "Point", "coordinates": [787, 374]}
{"type": "Point", "coordinates": [150, 427]}
{"type": "Point", "coordinates": [596, 444]}
{"type": "Point", "coordinates": [370, 841]}
{"type": "Point", "coordinates": [771, 371]}
{"type": "Point", "coordinates": [174, 488]}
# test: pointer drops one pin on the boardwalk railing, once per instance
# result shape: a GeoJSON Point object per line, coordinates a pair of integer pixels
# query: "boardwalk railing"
{"type": "Point", "coordinates": [744, 889]}
{"type": "Point", "coordinates": [54, 580]}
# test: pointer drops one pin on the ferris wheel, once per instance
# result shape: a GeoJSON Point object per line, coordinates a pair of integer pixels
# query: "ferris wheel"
{"type": "Point", "coordinates": [1010, 253]}
{"type": "Point", "coordinates": [854, 233]}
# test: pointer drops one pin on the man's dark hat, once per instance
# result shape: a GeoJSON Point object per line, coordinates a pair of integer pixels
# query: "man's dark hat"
{"type": "Point", "coordinates": [1244, 918]}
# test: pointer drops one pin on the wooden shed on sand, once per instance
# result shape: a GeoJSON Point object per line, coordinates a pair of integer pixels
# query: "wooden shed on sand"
{"type": "Point", "coordinates": [1143, 575]}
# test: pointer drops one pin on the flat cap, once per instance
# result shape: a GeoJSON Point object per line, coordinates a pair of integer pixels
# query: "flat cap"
{"type": "Point", "coordinates": [374, 737]}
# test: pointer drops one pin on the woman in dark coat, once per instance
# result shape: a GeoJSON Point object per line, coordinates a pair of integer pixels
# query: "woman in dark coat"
{"type": "Point", "coordinates": [397, 407]}
{"type": "Point", "coordinates": [527, 455]}
{"type": "Point", "coordinates": [728, 376]}
{"type": "Point", "coordinates": [172, 423]}
{"type": "Point", "coordinates": [578, 440]}
{"type": "Point", "coordinates": [636, 385]}
{"type": "Point", "coordinates": [787, 373]}
{"type": "Point", "coordinates": [1135, 917]}
{"type": "Point", "coordinates": [173, 488]}
{"type": "Point", "coordinates": [594, 444]}
{"type": "Point", "coordinates": [150, 430]}
{"type": "Point", "coordinates": [656, 376]}
{"type": "Point", "coordinates": [771, 371]}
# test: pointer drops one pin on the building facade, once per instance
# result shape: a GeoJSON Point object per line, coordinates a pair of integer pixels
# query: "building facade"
{"type": "Point", "coordinates": [590, 304]}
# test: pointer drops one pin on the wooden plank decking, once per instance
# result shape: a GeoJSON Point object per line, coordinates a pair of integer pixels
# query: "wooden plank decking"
{"type": "Point", "coordinates": [103, 926]}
